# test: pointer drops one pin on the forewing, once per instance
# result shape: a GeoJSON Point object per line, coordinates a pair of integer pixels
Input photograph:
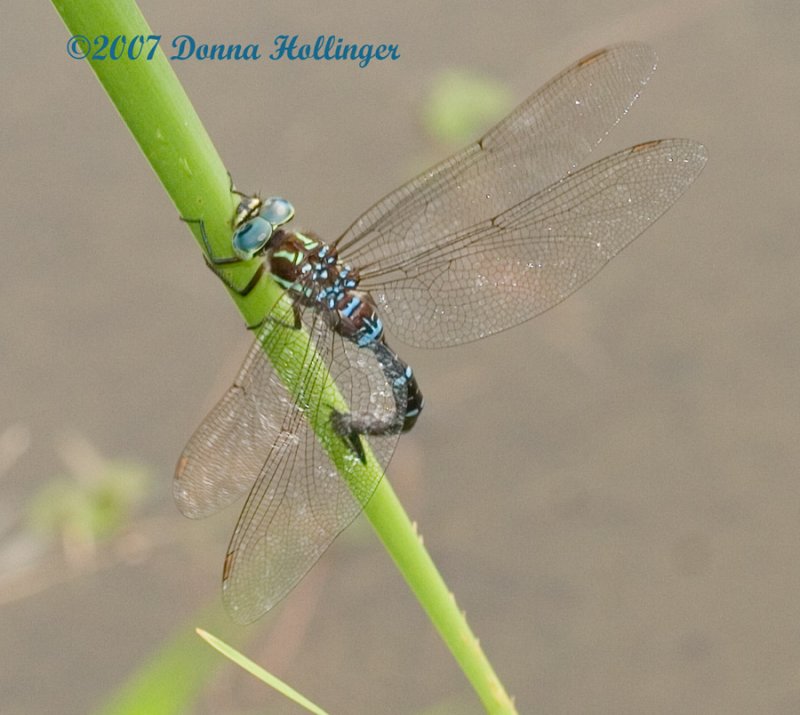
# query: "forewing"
{"type": "Point", "coordinates": [545, 138]}
{"type": "Point", "coordinates": [300, 502]}
{"type": "Point", "coordinates": [528, 258]}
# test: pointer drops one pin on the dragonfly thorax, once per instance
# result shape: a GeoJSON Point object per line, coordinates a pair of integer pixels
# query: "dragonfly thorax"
{"type": "Point", "coordinates": [306, 267]}
{"type": "Point", "coordinates": [311, 271]}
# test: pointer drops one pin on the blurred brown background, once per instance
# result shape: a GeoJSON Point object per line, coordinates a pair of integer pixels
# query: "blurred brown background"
{"type": "Point", "coordinates": [610, 490]}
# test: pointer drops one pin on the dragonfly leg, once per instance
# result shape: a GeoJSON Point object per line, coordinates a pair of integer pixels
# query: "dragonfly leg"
{"type": "Point", "coordinates": [213, 262]}
{"type": "Point", "coordinates": [211, 259]}
{"type": "Point", "coordinates": [234, 190]}
{"type": "Point", "coordinates": [296, 325]}
{"type": "Point", "coordinates": [298, 321]}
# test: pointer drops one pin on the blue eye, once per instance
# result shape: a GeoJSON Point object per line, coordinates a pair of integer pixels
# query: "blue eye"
{"type": "Point", "coordinates": [251, 238]}
{"type": "Point", "coordinates": [277, 210]}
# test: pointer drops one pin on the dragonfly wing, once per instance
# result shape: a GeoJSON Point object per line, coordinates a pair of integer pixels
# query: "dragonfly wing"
{"type": "Point", "coordinates": [515, 265]}
{"type": "Point", "coordinates": [300, 501]}
{"type": "Point", "coordinates": [541, 141]}
{"type": "Point", "coordinates": [229, 449]}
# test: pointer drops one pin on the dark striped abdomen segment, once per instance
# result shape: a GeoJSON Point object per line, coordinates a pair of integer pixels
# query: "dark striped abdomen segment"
{"type": "Point", "coordinates": [414, 399]}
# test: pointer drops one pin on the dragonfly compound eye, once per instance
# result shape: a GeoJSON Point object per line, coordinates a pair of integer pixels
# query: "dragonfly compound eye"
{"type": "Point", "coordinates": [249, 239]}
{"type": "Point", "coordinates": [277, 211]}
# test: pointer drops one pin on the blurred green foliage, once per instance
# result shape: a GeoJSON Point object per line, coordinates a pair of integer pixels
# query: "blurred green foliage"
{"type": "Point", "coordinates": [91, 503]}
{"type": "Point", "coordinates": [460, 105]}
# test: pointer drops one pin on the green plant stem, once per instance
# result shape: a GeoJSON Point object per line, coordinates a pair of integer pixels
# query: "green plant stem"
{"type": "Point", "coordinates": [155, 107]}
{"type": "Point", "coordinates": [404, 544]}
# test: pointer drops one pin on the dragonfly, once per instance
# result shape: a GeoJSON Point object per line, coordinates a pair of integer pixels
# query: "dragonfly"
{"type": "Point", "coordinates": [492, 236]}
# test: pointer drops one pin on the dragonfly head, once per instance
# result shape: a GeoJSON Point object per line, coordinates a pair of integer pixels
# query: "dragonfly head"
{"type": "Point", "coordinates": [256, 221]}
{"type": "Point", "coordinates": [248, 208]}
